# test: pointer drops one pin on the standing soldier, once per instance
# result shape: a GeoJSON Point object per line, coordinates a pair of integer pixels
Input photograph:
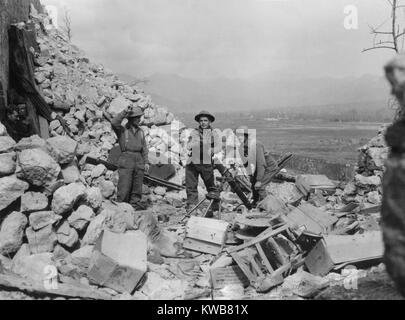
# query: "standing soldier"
{"type": "Point", "coordinates": [260, 165]}
{"type": "Point", "coordinates": [204, 143]}
{"type": "Point", "coordinates": [133, 161]}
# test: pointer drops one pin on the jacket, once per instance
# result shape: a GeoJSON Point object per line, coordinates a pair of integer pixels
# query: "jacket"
{"type": "Point", "coordinates": [132, 141]}
{"type": "Point", "coordinates": [203, 145]}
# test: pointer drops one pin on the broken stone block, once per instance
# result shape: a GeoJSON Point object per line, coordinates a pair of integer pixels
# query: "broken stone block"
{"type": "Point", "coordinates": [118, 105]}
{"type": "Point", "coordinates": [81, 218]}
{"type": "Point", "coordinates": [11, 189]}
{"type": "Point", "coordinates": [98, 171]}
{"type": "Point", "coordinates": [34, 267]}
{"type": "Point", "coordinates": [120, 218]}
{"type": "Point", "coordinates": [65, 198]}
{"type": "Point", "coordinates": [12, 233]}
{"type": "Point", "coordinates": [81, 258]}
{"type": "Point", "coordinates": [94, 198]}
{"type": "Point", "coordinates": [119, 261]}
{"type": "Point", "coordinates": [60, 253]}
{"type": "Point", "coordinates": [37, 167]}
{"type": "Point", "coordinates": [7, 144]}
{"type": "Point", "coordinates": [33, 142]}
{"type": "Point", "coordinates": [34, 201]}
{"type": "Point", "coordinates": [66, 235]}
{"type": "Point", "coordinates": [94, 230]}
{"type": "Point", "coordinates": [41, 241]}
{"type": "Point", "coordinates": [40, 220]}
{"type": "Point", "coordinates": [107, 189]}
{"type": "Point", "coordinates": [71, 173]}
{"type": "Point", "coordinates": [7, 164]}
{"type": "Point", "coordinates": [62, 149]}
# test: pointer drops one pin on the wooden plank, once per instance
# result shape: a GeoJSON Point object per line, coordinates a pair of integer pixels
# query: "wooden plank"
{"type": "Point", "coordinates": [323, 218]}
{"type": "Point", "coordinates": [256, 267]}
{"type": "Point", "coordinates": [222, 277]}
{"type": "Point", "coordinates": [208, 230]}
{"type": "Point", "coordinates": [359, 247]}
{"type": "Point", "coordinates": [318, 260]}
{"type": "Point", "coordinates": [262, 237]}
{"type": "Point", "coordinates": [263, 256]}
{"type": "Point", "coordinates": [64, 290]}
{"type": "Point", "coordinates": [201, 246]}
{"type": "Point", "coordinates": [252, 278]}
{"type": "Point", "coordinates": [278, 252]}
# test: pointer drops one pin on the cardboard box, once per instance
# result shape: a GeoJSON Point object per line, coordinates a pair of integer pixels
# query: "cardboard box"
{"type": "Point", "coordinates": [119, 261]}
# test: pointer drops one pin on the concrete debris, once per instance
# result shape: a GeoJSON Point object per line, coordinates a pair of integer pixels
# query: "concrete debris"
{"type": "Point", "coordinates": [66, 197]}
{"type": "Point", "coordinates": [62, 149]}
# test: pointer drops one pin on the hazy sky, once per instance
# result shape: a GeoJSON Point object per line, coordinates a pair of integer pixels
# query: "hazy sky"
{"type": "Point", "coordinates": [228, 38]}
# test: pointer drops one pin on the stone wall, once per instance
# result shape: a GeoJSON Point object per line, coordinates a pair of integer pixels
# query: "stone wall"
{"type": "Point", "coordinates": [11, 11]}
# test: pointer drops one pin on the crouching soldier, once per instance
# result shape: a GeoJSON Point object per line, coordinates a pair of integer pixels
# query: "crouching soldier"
{"type": "Point", "coordinates": [203, 144]}
{"type": "Point", "coordinates": [133, 161]}
{"type": "Point", "coordinates": [260, 165]}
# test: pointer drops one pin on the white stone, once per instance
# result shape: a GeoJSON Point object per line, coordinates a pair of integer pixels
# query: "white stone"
{"type": "Point", "coordinates": [81, 218]}
{"type": "Point", "coordinates": [94, 230]}
{"type": "Point", "coordinates": [37, 167]}
{"type": "Point", "coordinates": [11, 189]}
{"type": "Point", "coordinates": [7, 164]}
{"type": "Point", "coordinates": [3, 130]}
{"type": "Point", "coordinates": [66, 235]}
{"type": "Point", "coordinates": [33, 142]}
{"type": "Point", "coordinates": [34, 201]}
{"type": "Point", "coordinates": [98, 171]}
{"type": "Point", "coordinates": [66, 197]}
{"type": "Point", "coordinates": [33, 266]}
{"type": "Point", "coordinates": [94, 197]}
{"type": "Point", "coordinates": [6, 144]}
{"type": "Point", "coordinates": [12, 233]}
{"type": "Point", "coordinates": [118, 105]}
{"type": "Point", "coordinates": [63, 149]}
{"type": "Point", "coordinates": [71, 173]}
{"type": "Point", "coordinates": [107, 189]}
{"type": "Point", "coordinates": [41, 241]}
{"type": "Point", "coordinates": [42, 219]}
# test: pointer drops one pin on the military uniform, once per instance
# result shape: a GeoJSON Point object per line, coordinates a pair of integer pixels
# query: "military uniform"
{"type": "Point", "coordinates": [260, 165]}
{"type": "Point", "coordinates": [202, 145]}
{"type": "Point", "coordinates": [132, 161]}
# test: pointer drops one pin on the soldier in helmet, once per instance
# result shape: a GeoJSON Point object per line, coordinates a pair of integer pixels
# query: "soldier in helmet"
{"type": "Point", "coordinates": [204, 143]}
{"type": "Point", "coordinates": [133, 162]}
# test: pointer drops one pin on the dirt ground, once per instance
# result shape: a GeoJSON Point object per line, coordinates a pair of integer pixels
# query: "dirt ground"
{"type": "Point", "coordinates": [377, 286]}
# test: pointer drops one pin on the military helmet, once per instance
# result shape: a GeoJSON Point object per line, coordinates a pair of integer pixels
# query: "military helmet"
{"type": "Point", "coordinates": [135, 113]}
{"type": "Point", "coordinates": [204, 114]}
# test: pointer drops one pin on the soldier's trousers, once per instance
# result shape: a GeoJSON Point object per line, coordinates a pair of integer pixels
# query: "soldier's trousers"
{"type": "Point", "coordinates": [131, 174]}
{"type": "Point", "coordinates": [193, 172]}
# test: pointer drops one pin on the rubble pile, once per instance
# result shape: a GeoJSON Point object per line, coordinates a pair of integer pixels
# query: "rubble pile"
{"type": "Point", "coordinates": [63, 233]}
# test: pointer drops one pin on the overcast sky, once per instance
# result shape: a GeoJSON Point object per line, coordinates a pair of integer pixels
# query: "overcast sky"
{"type": "Point", "coordinates": [228, 38]}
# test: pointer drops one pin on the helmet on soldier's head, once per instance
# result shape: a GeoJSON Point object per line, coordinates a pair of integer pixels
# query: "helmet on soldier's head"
{"type": "Point", "coordinates": [204, 114]}
{"type": "Point", "coordinates": [136, 113]}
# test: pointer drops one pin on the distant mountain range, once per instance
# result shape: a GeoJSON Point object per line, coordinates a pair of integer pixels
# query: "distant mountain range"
{"type": "Point", "coordinates": [264, 92]}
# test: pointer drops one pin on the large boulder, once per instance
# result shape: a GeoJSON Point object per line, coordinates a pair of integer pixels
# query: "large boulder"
{"type": "Point", "coordinates": [11, 188]}
{"type": "Point", "coordinates": [7, 164]}
{"type": "Point", "coordinates": [7, 144]}
{"type": "Point", "coordinates": [38, 167]}
{"type": "Point", "coordinates": [41, 241]}
{"type": "Point", "coordinates": [12, 233]}
{"type": "Point", "coordinates": [65, 198]}
{"type": "Point", "coordinates": [34, 201]}
{"type": "Point", "coordinates": [62, 148]}
{"type": "Point", "coordinates": [33, 142]}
